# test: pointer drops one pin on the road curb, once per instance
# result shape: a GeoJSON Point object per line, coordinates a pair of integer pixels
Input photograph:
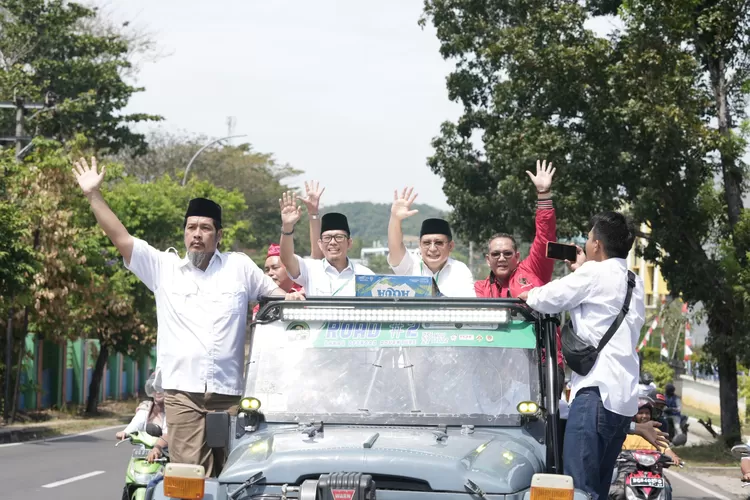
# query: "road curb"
{"type": "Point", "coordinates": [23, 435]}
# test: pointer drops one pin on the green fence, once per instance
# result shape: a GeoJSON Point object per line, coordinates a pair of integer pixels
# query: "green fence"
{"type": "Point", "coordinates": [54, 375]}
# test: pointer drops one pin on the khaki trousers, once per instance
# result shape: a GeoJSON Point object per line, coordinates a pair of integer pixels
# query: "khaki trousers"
{"type": "Point", "coordinates": [186, 421]}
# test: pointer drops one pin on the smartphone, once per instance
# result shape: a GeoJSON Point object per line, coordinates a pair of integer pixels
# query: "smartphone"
{"type": "Point", "coordinates": [560, 251]}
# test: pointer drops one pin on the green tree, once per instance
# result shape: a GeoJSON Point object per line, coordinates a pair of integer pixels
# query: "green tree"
{"type": "Point", "coordinates": [643, 120]}
{"type": "Point", "coordinates": [258, 176]}
{"type": "Point", "coordinates": [53, 51]}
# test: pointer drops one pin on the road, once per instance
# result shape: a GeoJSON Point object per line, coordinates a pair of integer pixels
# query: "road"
{"type": "Point", "coordinates": [88, 466]}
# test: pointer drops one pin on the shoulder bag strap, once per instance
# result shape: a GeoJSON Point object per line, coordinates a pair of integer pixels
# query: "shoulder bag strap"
{"type": "Point", "coordinates": [621, 316]}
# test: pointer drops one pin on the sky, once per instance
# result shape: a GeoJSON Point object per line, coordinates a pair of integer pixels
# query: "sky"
{"type": "Point", "coordinates": [349, 92]}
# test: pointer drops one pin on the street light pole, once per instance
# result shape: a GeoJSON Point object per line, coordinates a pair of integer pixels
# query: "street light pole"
{"type": "Point", "coordinates": [187, 169]}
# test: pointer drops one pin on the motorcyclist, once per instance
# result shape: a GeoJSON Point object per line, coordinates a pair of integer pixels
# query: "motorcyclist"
{"type": "Point", "coordinates": [673, 401]}
{"type": "Point", "coordinates": [660, 403]}
{"type": "Point", "coordinates": [633, 442]}
{"type": "Point", "coordinates": [647, 380]}
{"type": "Point", "coordinates": [148, 412]}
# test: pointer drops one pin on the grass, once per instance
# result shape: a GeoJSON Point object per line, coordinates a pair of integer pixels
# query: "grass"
{"type": "Point", "coordinates": [715, 419]}
{"type": "Point", "coordinates": [70, 420]}
{"type": "Point", "coordinates": [707, 455]}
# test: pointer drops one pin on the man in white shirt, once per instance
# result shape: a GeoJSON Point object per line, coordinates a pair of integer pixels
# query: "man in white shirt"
{"type": "Point", "coordinates": [201, 307]}
{"type": "Point", "coordinates": [605, 399]}
{"type": "Point", "coordinates": [451, 278]}
{"type": "Point", "coordinates": [334, 274]}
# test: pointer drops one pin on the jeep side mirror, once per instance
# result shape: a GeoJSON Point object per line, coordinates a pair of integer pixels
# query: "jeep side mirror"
{"type": "Point", "coordinates": [741, 450]}
{"type": "Point", "coordinates": [153, 430]}
{"type": "Point", "coordinates": [217, 429]}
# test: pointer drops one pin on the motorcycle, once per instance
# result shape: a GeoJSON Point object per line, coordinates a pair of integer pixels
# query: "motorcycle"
{"type": "Point", "coordinates": [741, 451]}
{"type": "Point", "coordinates": [677, 425]}
{"type": "Point", "coordinates": [640, 476]}
{"type": "Point", "coordinates": [140, 472]}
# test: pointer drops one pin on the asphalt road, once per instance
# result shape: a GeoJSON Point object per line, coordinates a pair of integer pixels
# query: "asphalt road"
{"type": "Point", "coordinates": [88, 466]}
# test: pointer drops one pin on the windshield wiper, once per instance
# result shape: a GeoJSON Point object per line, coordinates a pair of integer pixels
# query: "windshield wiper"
{"type": "Point", "coordinates": [412, 384]}
{"type": "Point", "coordinates": [375, 372]}
{"type": "Point", "coordinates": [254, 479]}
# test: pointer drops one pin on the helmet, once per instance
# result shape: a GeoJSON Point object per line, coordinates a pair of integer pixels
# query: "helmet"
{"type": "Point", "coordinates": [669, 389]}
{"type": "Point", "coordinates": [657, 397]}
{"type": "Point", "coordinates": [645, 402]}
{"type": "Point", "coordinates": [153, 384]}
{"type": "Point", "coordinates": [646, 378]}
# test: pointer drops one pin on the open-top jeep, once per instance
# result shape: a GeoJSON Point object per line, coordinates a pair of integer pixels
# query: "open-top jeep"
{"type": "Point", "coordinates": [432, 398]}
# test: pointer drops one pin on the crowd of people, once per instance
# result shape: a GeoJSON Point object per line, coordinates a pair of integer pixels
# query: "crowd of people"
{"type": "Point", "coordinates": [202, 306]}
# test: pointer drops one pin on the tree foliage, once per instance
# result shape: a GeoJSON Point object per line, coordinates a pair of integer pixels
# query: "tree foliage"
{"type": "Point", "coordinates": [51, 49]}
{"type": "Point", "coordinates": [644, 120]}
{"type": "Point", "coordinates": [258, 176]}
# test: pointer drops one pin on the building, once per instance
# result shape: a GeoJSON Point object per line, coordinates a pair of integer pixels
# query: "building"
{"type": "Point", "coordinates": [654, 287]}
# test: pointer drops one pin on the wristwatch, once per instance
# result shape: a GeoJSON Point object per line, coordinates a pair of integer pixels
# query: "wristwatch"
{"type": "Point", "coordinates": [314, 216]}
{"type": "Point", "coordinates": [631, 430]}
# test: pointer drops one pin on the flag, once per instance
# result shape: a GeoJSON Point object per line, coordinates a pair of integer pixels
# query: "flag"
{"type": "Point", "coordinates": [644, 343]}
{"type": "Point", "coordinates": [688, 342]}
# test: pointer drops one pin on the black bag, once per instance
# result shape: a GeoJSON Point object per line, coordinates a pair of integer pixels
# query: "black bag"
{"type": "Point", "coordinates": [579, 356]}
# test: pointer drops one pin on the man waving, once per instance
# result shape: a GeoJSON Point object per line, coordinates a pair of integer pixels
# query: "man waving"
{"type": "Point", "coordinates": [201, 306]}
{"type": "Point", "coordinates": [450, 277]}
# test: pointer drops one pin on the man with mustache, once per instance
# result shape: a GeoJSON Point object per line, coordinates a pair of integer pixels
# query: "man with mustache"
{"type": "Point", "coordinates": [334, 274]}
{"type": "Point", "coordinates": [201, 306]}
{"type": "Point", "coordinates": [509, 275]}
{"type": "Point", "coordinates": [450, 277]}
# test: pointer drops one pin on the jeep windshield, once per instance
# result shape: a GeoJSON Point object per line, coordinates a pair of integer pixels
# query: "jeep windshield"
{"type": "Point", "coordinates": [394, 363]}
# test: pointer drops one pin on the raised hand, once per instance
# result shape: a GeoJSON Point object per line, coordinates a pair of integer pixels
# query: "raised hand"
{"type": "Point", "coordinates": [313, 192]}
{"type": "Point", "coordinates": [88, 178]}
{"type": "Point", "coordinates": [290, 211]}
{"type": "Point", "coordinates": [543, 178]}
{"type": "Point", "coordinates": [401, 208]}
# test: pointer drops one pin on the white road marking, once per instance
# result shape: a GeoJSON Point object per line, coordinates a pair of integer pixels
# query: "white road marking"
{"type": "Point", "coordinates": [692, 483]}
{"type": "Point", "coordinates": [73, 479]}
{"type": "Point", "coordinates": [68, 436]}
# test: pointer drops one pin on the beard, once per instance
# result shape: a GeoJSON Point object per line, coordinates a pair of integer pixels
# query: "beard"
{"type": "Point", "coordinates": [199, 259]}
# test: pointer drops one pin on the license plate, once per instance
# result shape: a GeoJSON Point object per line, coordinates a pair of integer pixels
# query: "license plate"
{"type": "Point", "coordinates": [648, 482]}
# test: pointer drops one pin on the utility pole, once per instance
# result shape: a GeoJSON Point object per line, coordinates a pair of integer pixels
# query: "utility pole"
{"type": "Point", "coordinates": [471, 257]}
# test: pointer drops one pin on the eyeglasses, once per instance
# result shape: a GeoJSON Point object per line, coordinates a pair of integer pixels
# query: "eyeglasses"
{"type": "Point", "coordinates": [429, 243]}
{"type": "Point", "coordinates": [508, 254]}
{"type": "Point", "coordinates": [340, 238]}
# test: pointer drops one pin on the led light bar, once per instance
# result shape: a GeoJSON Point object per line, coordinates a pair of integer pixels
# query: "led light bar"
{"type": "Point", "coordinates": [296, 313]}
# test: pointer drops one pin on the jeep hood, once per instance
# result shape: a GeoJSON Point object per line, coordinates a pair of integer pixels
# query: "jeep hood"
{"type": "Point", "coordinates": [499, 461]}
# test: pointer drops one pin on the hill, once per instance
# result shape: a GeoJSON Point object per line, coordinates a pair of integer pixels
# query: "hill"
{"type": "Point", "coordinates": [369, 221]}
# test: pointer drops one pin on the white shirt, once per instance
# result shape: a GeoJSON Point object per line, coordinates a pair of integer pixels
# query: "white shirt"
{"type": "Point", "coordinates": [140, 419]}
{"type": "Point", "coordinates": [453, 280]}
{"type": "Point", "coordinates": [594, 295]}
{"type": "Point", "coordinates": [321, 279]}
{"type": "Point", "coordinates": [201, 315]}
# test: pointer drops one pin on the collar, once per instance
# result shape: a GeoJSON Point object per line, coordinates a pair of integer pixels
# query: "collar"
{"type": "Point", "coordinates": [327, 265]}
{"type": "Point", "coordinates": [423, 265]}
{"type": "Point", "coordinates": [495, 281]}
{"type": "Point", "coordinates": [221, 256]}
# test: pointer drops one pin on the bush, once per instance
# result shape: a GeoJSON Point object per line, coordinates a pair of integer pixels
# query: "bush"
{"type": "Point", "coordinates": [651, 354]}
{"type": "Point", "coordinates": [662, 372]}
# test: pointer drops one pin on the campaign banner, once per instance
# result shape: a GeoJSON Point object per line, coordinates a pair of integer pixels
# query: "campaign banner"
{"type": "Point", "coordinates": [337, 334]}
{"type": "Point", "coordinates": [385, 285]}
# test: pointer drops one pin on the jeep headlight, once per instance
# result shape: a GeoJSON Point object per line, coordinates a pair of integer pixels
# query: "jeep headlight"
{"type": "Point", "coordinates": [250, 404]}
{"type": "Point", "coordinates": [527, 408]}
